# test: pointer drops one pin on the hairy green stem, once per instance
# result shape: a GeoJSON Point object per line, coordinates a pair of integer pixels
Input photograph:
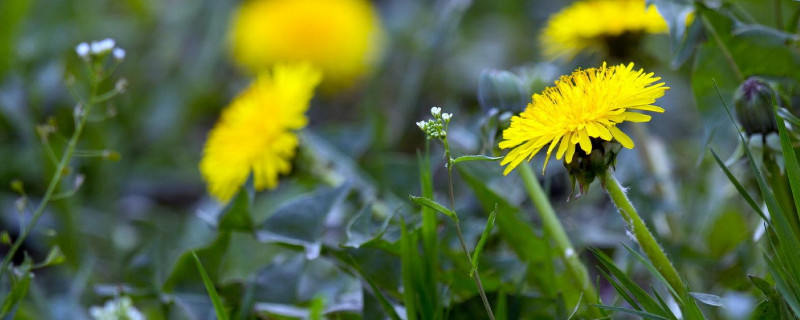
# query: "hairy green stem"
{"type": "Point", "coordinates": [552, 226]}
{"type": "Point", "coordinates": [643, 236]}
{"type": "Point", "coordinates": [55, 180]}
{"type": "Point", "coordinates": [467, 254]}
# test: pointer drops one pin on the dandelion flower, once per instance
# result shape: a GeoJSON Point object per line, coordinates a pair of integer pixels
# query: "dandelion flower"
{"type": "Point", "coordinates": [256, 132]}
{"type": "Point", "coordinates": [581, 107]}
{"type": "Point", "coordinates": [591, 24]}
{"type": "Point", "coordinates": [339, 37]}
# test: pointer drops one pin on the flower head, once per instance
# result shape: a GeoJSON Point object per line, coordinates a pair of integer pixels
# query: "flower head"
{"type": "Point", "coordinates": [118, 309]}
{"type": "Point", "coordinates": [339, 37]}
{"type": "Point", "coordinates": [581, 107]}
{"type": "Point", "coordinates": [256, 132]}
{"type": "Point", "coordinates": [588, 25]}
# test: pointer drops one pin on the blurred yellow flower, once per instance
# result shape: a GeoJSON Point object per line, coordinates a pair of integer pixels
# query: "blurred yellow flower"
{"type": "Point", "coordinates": [256, 132]}
{"type": "Point", "coordinates": [340, 37]}
{"type": "Point", "coordinates": [587, 104]}
{"type": "Point", "coordinates": [588, 25]}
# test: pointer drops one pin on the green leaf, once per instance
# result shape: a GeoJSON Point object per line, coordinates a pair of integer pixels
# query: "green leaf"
{"type": "Point", "coordinates": [19, 289]}
{"type": "Point", "coordinates": [764, 286]}
{"type": "Point", "coordinates": [767, 309]}
{"type": "Point", "coordinates": [360, 232]}
{"type": "Point", "coordinates": [219, 308]}
{"type": "Point", "coordinates": [422, 201]}
{"type": "Point", "coordinates": [301, 221]}
{"type": "Point", "coordinates": [482, 242]}
{"type": "Point", "coordinates": [55, 256]}
{"type": "Point", "coordinates": [236, 215]}
{"type": "Point", "coordinates": [728, 231]}
{"type": "Point", "coordinates": [475, 157]}
{"type": "Point", "coordinates": [644, 315]}
{"type": "Point", "coordinates": [674, 13]}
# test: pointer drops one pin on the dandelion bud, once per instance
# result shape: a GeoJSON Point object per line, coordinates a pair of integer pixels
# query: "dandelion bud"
{"type": "Point", "coordinates": [754, 110]}
{"type": "Point", "coordinates": [502, 90]}
{"type": "Point", "coordinates": [83, 50]}
{"type": "Point", "coordinates": [118, 53]}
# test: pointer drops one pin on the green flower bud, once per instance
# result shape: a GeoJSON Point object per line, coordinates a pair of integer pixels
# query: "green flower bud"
{"type": "Point", "coordinates": [502, 90]}
{"type": "Point", "coordinates": [754, 109]}
{"type": "Point", "coordinates": [585, 168]}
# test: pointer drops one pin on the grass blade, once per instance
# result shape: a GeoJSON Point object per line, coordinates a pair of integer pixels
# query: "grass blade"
{"type": "Point", "coordinates": [219, 308]}
{"type": "Point", "coordinates": [739, 187]}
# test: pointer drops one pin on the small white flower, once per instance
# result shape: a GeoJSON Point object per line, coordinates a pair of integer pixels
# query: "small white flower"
{"type": "Point", "coordinates": [447, 116]}
{"type": "Point", "coordinates": [117, 309]}
{"type": "Point", "coordinates": [102, 46]}
{"type": "Point", "coordinates": [118, 53]}
{"type": "Point", "coordinates": [421, 124]}
{"type": "Point", "coordinates": [82, 49]}
{"type": "Point", "coordinates": [435, 111]}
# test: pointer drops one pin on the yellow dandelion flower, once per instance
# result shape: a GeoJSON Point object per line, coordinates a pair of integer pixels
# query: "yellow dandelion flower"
{"type": "Point", "coordinates": [340, 37]}
{"type": "Point", "coordinates": [256, 132]}
{"type": "Point", "coordinates": [588, 25]}
{"type": "Point", "coordinates": [587, 104]}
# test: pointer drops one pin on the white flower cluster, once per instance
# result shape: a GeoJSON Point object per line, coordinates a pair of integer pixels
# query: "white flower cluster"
{"type": "Point", "coordinates": [436, 127]}
{"type": "Point", "coordinates": [118, 309]}
{"type": "Point", "coordinates": [99, 48]}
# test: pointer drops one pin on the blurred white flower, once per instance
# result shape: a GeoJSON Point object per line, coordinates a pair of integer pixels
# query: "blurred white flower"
{"type": "Point", "coordinates": [118, 53]}
{"type": "Point", "coordinates": [82, 49]}
{"type": "Point", "coordinates": [102, 46]}
{"type": "Point", "coordinates": [118, 309]}
{"type": "Point", "coordinates": [435, 111]}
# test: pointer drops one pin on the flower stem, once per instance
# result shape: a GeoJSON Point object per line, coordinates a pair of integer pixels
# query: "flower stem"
{"type": "Point", "coordinates": [467, 254]}
{"type": "Point", "coordinates": [552, 226]}
{"type": "Point", "coordinates": [643, 236]}
{"type": "Point", "coordinates": [83, 116]}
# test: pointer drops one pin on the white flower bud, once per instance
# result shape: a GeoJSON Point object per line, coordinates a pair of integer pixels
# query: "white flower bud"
{"type": "Point", "coordinates": [118, 53]}
{"type": "Point", "coordinates": [435, 111]}
{"type": "Point", "coordinates": [421, 124]}
{"type": "Point", "coordinates": [102, 46]}
{"type": "Point", "coordinates": [82, 49]}
{"type": "Point", "coordinates": [447, 116]}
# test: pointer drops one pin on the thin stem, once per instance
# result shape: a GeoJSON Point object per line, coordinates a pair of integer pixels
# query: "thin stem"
{"type": "Point", "coordinates": [643, 236]}
{"type": "Point", "coordinates": [725, 52]}
{"type": "Point", "coordinates": [778, 15]}
{"type": "Point", "coordinates": [552, 226]}
{"type": "Point", "coordinates": [54, 181]}
{"type": "Point", "coordinates": [467, 254]}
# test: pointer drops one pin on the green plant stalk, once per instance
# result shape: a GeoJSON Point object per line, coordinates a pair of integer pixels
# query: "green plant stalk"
{"type": "Point", "coordinates": [552, 226]}
{"type": "Point", "coordinates": [473, 272]}
{"type": "Point", "coordinates": [54, 181]}
{"type": "Point", "coordinates": [643, 236]}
